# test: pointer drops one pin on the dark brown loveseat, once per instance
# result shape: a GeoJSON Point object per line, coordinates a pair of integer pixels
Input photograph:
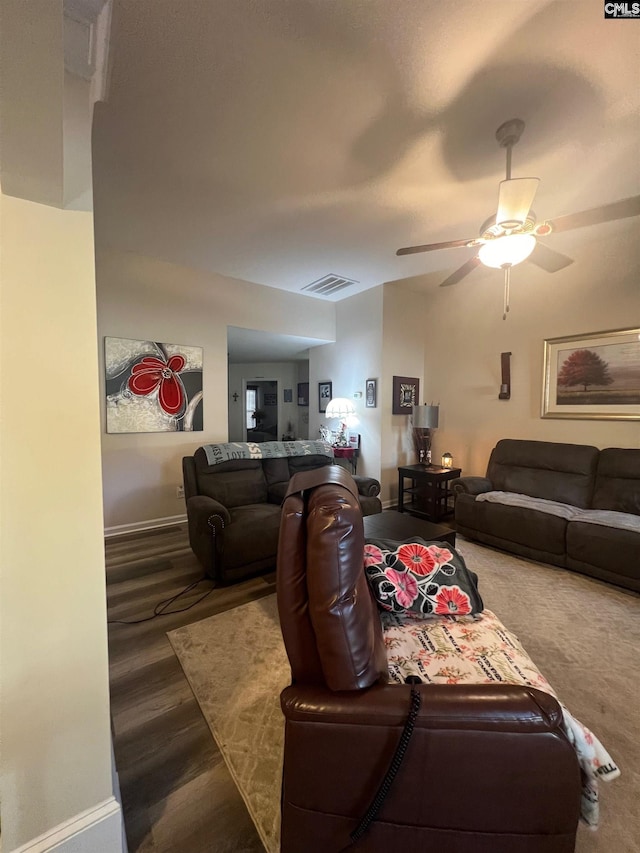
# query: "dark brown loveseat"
{"type": "Point", "coordinates": [233, 494]}
{"type": "Point", "coordinates": [571, 505]}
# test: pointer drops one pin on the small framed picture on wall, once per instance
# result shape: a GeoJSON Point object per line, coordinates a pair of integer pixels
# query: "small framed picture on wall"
{"type": "Point", "coordinates": [303, 393]}
{"type": "Point", "coordinates": [324, 395]}
{"type": "Point", "coordinates": [406, 394]}
{"type": "Point", "coordinates": [371, 393]}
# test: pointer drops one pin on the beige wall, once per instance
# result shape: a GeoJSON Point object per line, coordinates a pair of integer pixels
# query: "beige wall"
{"type": "Point", "coordinates": [462, 347]}
{"type": "Point", "coordinates": [145, 298]}
{"type": "Point", "coordinates": [355, 357]}
{"type": "Point", "coordinates": [406, 328]}
{"type": "Point", "coordinates": [451, 339]}
{"type": "Point", "coordinates": [55, 702]}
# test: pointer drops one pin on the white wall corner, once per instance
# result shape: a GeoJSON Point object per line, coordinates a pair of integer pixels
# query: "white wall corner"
{"type": "Point", "coordinates": [87, 26]}
{"type": "Point", "coordinates": [99, 828]}
{"type": "Point", "coordinates": [87, 33]}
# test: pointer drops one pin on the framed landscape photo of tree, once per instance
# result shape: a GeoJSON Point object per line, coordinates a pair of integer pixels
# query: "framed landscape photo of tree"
{"type": "Point", "coordinates": [594, 376]}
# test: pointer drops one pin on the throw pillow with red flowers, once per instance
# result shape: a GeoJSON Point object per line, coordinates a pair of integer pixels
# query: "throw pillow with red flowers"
{"type": "Point", "coordinates": [415, 577]}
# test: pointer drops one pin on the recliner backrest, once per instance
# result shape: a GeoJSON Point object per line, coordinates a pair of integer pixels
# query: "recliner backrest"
{"type": "Point", "coordinates": [276, 470]}
{"type": "Point", "coordinates": [330, 623]}
{"type": "Point", "coordinates": [618, 480]}
{"type": "Point", "coordinates": [235, 483]}
{"type": "Point", "coordinates": [280, 470]}
{"type": "Point", "coordinates": [545, 469]}
{"type": "Point", "coordinates": [307, 463]}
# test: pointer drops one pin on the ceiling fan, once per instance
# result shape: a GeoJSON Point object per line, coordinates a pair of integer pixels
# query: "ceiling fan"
{"type": "Point", "coordinates": [511, 236]}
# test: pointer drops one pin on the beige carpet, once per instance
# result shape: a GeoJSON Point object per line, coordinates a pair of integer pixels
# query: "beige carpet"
{"type": "Point", "coordinates": [583, 634]}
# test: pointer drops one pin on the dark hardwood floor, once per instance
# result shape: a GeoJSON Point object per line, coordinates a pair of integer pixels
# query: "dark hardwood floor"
{"type": "Point", "coordinates": [177, 794]}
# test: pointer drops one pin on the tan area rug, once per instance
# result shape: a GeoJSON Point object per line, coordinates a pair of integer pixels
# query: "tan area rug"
{"type": "Point", "coordinates": [236, 665]}
{"type": "Point", "coordinates": [583, 634]}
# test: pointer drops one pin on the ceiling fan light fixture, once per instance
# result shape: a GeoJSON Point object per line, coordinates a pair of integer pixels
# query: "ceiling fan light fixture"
{"type": "Point", "coordinates": [508, 251]}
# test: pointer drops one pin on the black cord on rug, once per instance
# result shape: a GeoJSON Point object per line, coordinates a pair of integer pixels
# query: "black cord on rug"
{"type": "Point", "coordinates": [161, 607]}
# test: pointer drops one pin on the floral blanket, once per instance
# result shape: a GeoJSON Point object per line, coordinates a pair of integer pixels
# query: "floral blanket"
{"type": "Point", "coordinates": [480, 650]}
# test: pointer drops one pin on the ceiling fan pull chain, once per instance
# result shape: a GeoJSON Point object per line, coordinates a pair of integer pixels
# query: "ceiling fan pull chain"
{"type": "Point", "coordinates": [507, 282]}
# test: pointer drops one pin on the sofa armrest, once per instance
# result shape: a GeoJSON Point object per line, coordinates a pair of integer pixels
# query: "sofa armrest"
{"type": "Point", "coordinates": [491, 759]}
{"type": "Point", "coordinates": [189, 477]}
{"type": "Point", "coordinates": [201, 508]}
{"type": "Point", "coordinates": [470, 485]}
{"type": "Point", "coordinates": [367, 486]}
{"type": "Point", "coordinates": [469, 707]}
{"type": "Point", "coordinates": [207, 518]}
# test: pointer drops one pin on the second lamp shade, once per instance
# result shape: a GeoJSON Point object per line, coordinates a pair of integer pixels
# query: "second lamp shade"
{"type": "Point", "coordinates": [425, 417]}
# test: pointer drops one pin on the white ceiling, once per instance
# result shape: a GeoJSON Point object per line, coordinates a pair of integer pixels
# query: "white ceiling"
{"type": "Point", "coordinates": [281, 140]}
{"type": "Point", "coordinates": [248, 345]}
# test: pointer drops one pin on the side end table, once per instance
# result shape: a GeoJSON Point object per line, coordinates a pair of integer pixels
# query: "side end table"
{"type": "Point", "coordinates": [350, 454]}
{"type": "Point", "coordinates": [429, 490]}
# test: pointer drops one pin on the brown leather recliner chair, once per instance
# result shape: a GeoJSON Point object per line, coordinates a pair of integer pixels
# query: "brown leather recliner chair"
{"type": "Point", "coordinates": [487, 768]}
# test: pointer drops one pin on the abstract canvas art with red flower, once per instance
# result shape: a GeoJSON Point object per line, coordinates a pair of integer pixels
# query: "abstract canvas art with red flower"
{"type": "Point", "coordinates": [152, 386]}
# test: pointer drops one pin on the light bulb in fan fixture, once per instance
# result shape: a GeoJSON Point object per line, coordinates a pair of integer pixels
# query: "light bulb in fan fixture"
{"type": "Point", "coordinates": [507, 251]}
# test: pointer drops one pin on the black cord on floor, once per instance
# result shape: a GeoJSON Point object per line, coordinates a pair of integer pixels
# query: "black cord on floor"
{"type": "Point", "coordinates": [161, 607]}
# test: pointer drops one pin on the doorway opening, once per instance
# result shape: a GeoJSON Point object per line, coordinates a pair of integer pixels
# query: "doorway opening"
{"type": "Point", "coordinates": [254, 357]}
{"type": "Point", "coordinates": [261, 410]}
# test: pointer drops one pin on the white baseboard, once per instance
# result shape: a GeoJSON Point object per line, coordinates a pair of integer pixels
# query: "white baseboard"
{"type": "Point", "coordinates": [96, 829]}
{"type": "Point", "coordinates": [168, 521]}
{"type": "Point", "coordinates": [115, 781]}
{"type": "Point", "coordinates": [137, 526]}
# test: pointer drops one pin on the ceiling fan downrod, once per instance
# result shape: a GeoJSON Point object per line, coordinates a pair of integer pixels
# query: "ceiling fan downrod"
{"type": "Point", "coordinates": [508, 135]}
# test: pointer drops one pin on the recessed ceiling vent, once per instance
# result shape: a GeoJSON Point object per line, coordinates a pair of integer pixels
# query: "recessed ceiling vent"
{"type": "Point", "coordinates": [329, 284]}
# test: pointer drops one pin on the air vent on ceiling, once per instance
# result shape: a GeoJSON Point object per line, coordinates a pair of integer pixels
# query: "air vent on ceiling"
{"type": "Point", "coordinates": [329, 284]}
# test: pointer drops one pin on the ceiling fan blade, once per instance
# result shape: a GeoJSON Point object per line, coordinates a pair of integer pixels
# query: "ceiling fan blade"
{"type": "Point", "coordinates": [461, 272]}
{"type": "Point", "coordinates": [548, 259]}
{"type": "Point", "coordinates": [515, 200]}
{"type": "Point", "coordinates": [432, 247]}
{"type": "Point", "coordinates": [622, 209]}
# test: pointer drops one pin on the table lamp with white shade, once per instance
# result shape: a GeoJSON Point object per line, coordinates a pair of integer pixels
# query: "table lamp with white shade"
{"type": "Point", "coordinates": [343, 410]}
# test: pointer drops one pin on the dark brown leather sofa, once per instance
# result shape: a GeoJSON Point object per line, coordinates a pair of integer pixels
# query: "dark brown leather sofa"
{"type": "Point", "coordinates": [233, 509]}
{"type": "Point", "coordinates": [488, 768]}
{"type": "Point", "coordinates": [600, 538]}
